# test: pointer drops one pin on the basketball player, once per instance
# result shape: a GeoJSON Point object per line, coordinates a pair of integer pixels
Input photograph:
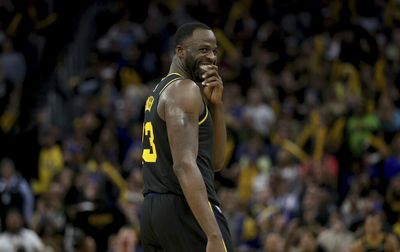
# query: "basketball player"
{"type": "Point", "coordinates": [184, 139]}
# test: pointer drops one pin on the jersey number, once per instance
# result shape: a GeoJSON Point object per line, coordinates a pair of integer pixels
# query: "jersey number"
{"type": "Point", "coordinates": [149, 155]}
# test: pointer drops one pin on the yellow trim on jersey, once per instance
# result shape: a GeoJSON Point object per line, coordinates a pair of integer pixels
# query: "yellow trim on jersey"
{"type": "Point", "coordinates": [205, 117]}
{"type": "Point", "coordinates": [172, 74]}
{"type": "Point", "coordinates": [209, 204]}
{"type": "Point", "coordinates": [223, 241]}
{"type": "Point", "coordinates": [169, 83]}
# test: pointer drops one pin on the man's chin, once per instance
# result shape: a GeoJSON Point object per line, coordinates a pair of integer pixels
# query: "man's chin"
{"type": "Point", "coordinates": [197, 76]}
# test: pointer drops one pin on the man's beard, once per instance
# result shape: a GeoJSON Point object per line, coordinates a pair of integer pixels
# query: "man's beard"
{"type": "Point", "coordinates": [193, 68]}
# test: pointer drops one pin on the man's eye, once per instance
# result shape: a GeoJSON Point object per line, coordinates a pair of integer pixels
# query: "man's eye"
{"type": "Point", "coordinates": [203, 50]}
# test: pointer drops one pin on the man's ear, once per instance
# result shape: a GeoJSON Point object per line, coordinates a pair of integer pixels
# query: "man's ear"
{"type": "Point", "coordinates": [179, 51]}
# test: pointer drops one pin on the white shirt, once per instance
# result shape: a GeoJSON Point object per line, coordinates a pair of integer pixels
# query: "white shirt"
{"type": "Point", "coordinates": [26, 238]}
{"type": "Point", "coordinates": [262, 116]}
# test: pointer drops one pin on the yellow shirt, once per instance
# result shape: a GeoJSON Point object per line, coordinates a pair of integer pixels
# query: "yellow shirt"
{"type": "Point", "coordinates": [51, 162]}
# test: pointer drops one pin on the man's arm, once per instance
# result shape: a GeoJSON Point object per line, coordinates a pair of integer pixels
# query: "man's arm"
{"type": "Point", "coordinates": [213, 90]}
{"type": "Point", "coordinates": [218, 116]}
{"type": "Point", "coordinates": [182, 107]}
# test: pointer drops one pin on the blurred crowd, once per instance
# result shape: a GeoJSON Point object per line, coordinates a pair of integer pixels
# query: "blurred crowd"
{"type": "Point", "coordinates": [312, 102]}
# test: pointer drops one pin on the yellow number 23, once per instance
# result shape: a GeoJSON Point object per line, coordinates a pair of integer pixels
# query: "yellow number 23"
{"type": "Point", "coordinates": [149, 155]}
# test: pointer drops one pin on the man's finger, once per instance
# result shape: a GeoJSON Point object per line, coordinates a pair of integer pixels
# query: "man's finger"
{"type": "Point", "coordinates": [209, 67]}
{"type": "Point", "coordinates": [210, 73]}
{"type": "Point", "coordinates": [213, 84]}
{"type": "Point", "coordinates": [211, 79]}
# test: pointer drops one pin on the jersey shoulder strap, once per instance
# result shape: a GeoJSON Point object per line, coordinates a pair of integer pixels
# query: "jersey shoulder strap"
{"type": "Point", "coordinates": [165, 82]}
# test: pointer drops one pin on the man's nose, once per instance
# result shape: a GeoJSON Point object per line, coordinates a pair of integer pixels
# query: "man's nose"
{"type": "Point", "coordinates": [212, 56]}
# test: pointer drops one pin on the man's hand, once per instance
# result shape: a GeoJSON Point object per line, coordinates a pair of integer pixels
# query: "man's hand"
{"type": "Point", "coordinates": [212, 84]}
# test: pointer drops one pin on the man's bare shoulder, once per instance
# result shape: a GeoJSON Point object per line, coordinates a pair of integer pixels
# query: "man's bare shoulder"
{"type": "Point", "coordinates": [184, 95]}
{"type": "Point", "coordinates": [181, 91]}
{"type": "Point", "coordinates": [187, 85]}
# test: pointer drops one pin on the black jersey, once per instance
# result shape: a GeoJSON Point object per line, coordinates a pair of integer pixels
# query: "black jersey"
{"type": "Point", "coordinates": [158, 174]}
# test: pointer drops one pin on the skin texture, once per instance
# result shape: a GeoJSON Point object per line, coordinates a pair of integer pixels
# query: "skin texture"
{"type": "Point", "coordinates": [180, 107]}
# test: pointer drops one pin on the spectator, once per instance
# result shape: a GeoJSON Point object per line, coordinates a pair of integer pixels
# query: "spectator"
{"type": "Point", "coordinates": [273, 243]}
{"type": "Point", "coordinates": [392, 200]}
{"type": "Point", "coordinates": [51, 161]}
{"type": "Point", "coordinates": [307, 242]}
{"type": "Point", "coordinates": [389, 116]}
{"type": "Point", "coordinates": [16, 237]}
{"type": "Point", "coordinates": [392, 163]}
{"type": "Point", "coordinates": [336, 237]}
{"type": "Point", "coordinates": [126, 240]}
{"type": "Point", "coordinates": [374, 238]}
{"type": "Point", "coordinates": [13, 63]}
{"type": "Point", "coordinates": [48, 221]}
{"type": "Point", "coordinates": [83, 242]}
{"type": "Point", "coordinates": [258, 115]}
{"type": "Point", "coordinates": [360, 126]}
{"type": "Point", "coordinates": [15, 192]}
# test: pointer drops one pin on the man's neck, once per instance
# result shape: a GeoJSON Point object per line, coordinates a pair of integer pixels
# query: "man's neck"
{"type": "Point", "coordinates": [178, 67]}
